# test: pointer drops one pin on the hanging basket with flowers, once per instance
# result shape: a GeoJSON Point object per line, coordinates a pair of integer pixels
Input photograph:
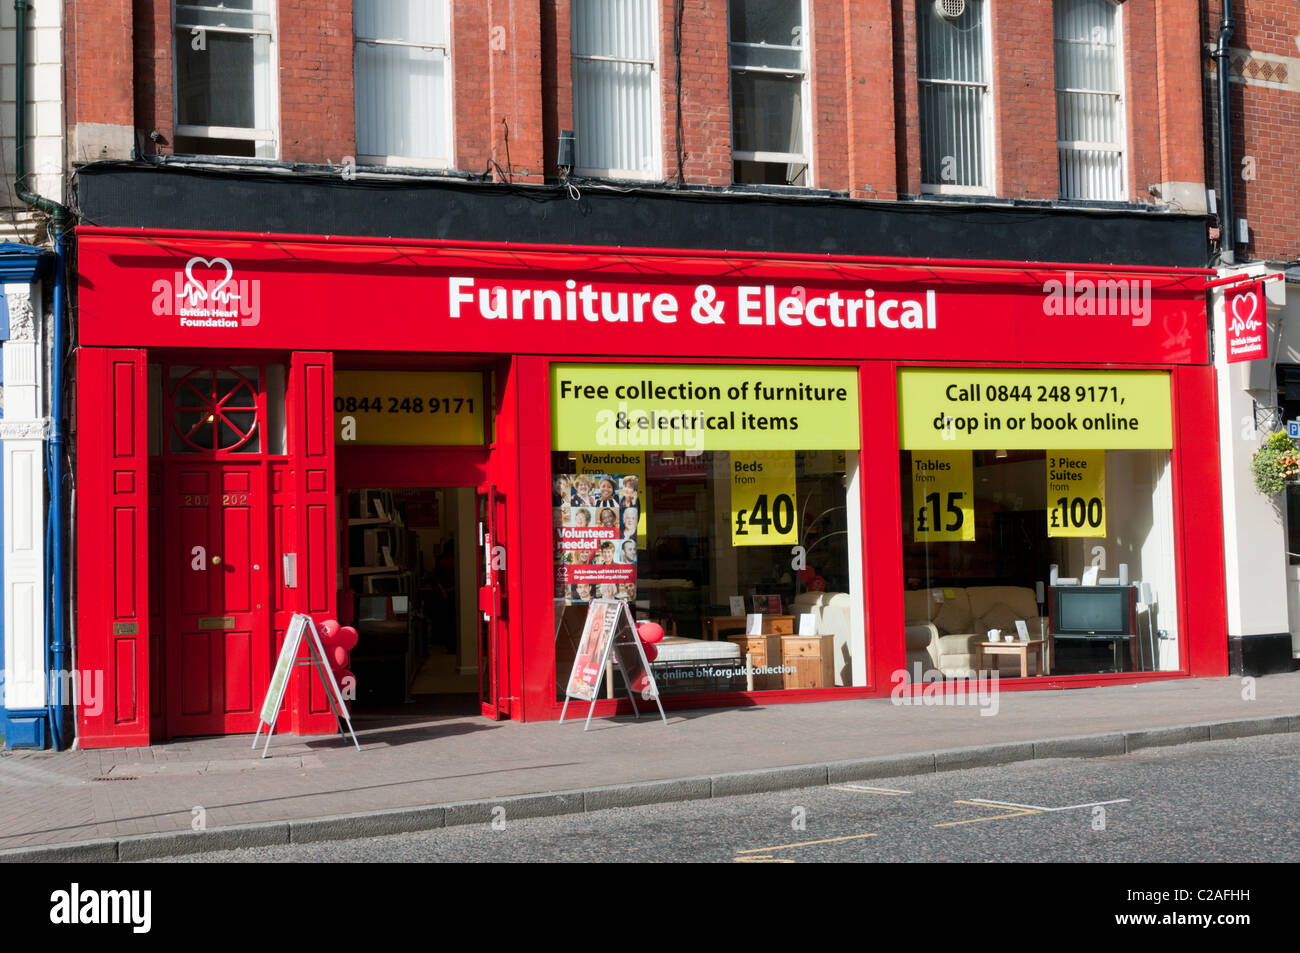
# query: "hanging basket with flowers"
{"type": "Point", "coordinates": [1276, 463]}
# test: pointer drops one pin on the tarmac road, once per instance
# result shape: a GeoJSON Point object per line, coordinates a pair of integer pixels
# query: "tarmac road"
{"type": "Point", "coordinates": [1228, 801]}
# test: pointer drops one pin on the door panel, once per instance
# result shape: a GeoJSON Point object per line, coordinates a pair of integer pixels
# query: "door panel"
{"type": "Point", "coordinates": [221, 619]}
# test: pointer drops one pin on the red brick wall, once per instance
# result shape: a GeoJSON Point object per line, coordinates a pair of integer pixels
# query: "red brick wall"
{"type": "Point", "coordinates": [97, 48]}
{"type": "Point", "coordinates": [1265, 125]}
{"type": "Point", "coordinates": [316, 105]}
{"type": "Point", "coordinates": [153, 73]}
{"type": "Point", "coordinates": [1024, 97]}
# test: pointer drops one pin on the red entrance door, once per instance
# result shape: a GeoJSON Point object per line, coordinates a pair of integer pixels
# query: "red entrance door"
{"type": "Point", "coordinates": [218, 648]}
{"type": "Point", "coordinates": [218, 645]}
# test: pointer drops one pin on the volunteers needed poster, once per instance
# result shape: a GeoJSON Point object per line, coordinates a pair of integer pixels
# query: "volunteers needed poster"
{"type": "Point", "coordinates": [597, 516]}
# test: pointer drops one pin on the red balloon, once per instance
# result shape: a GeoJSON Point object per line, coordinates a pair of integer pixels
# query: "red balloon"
{"type": "Point", "coordinates": [329, 630]}
{"type": "Point", "coordinates": [338, 656]}
{"type": "Point", "coordinates": [651, 651]}
{"type": "Point", "coordinates": [348, 637]}
{"type": "Point", "coordinates": [817, 585]}
{"type": "Point", "coordinates": [650, 632]}
{"type": "Point", "coordinates": [807, 574]}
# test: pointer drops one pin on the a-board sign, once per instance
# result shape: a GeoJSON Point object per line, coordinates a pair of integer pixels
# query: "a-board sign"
{"type": "Point", "coordinates": [300, 626]}
{"type": "Point", "coordinates": [609, 631]}
{"type": "Point", "coordinates": [283, 666]}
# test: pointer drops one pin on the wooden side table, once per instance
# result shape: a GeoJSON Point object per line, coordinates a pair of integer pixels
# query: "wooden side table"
{"type": "Point", "coordinates": [1015, 647]}
{"type": "Point", "coordinates": [813, 659]}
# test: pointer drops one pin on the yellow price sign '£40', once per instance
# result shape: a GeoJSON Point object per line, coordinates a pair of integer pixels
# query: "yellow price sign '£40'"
{"type": "Point", "coordinates": [763, 509]}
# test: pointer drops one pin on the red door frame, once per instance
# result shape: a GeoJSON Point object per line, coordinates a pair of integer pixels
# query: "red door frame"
{"type": "Point", "coordinates": [176, 565]}
{"type": "Point", "coordinates": [112, 544]}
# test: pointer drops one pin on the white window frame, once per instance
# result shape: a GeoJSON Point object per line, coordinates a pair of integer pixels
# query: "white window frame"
{"type": "Point", "coordinates": [805, 101]}
{"type": "Point", "coordinates": [990, 125]}
{"type": "Point", "coordinates": [415, 162]}
{"type": "Point", "coordinates": [272, 32]}
{"type": "Point", "coordinates": [1121, 113]}
{"type": "Point", "coordinates": [656, 105]}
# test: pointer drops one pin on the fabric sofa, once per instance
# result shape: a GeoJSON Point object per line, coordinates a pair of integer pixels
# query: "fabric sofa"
{"type": "Point", "coordinates": [943, 625]}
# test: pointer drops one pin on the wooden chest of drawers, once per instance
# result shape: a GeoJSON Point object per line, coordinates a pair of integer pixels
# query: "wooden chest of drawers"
{"type": "Point", "coordinates": [763, 650]}
{"type": "Point", "coordinates": [811, 657]}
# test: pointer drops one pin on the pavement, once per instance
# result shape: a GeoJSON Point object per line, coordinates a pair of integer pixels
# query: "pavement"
{"type": "Point", "coordinates": [204, 794]}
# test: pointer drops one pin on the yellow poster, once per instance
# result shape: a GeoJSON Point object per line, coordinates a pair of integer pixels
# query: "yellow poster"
{"type": "Point", "coordinates": [408, 408]}
{"type": "Point", "coordinates": [632, 494]}
{"type": "Point", "coordinates": [659, 407]}
{"type": "Point", "coordinates": [1076, 493]}
{"type": "Point", "coordinates": [763, 508]}
{"type": "Point", "coordinates": [952, 408]}
{"type": "Point", "coordinates": [943, 496]}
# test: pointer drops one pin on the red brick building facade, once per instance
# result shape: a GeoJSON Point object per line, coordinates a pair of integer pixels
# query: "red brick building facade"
{"type": "Point", "coordinates": [511, 66]}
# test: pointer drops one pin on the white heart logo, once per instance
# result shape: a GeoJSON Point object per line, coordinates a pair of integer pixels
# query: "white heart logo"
{"type": "Point", "coordinates": [1236, 310]}
{"type": "Point", "coordinates": [200, 292]}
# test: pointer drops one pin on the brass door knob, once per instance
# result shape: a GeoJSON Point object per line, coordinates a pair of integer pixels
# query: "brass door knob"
{"type": "Point", "coordinates": [216, 560]}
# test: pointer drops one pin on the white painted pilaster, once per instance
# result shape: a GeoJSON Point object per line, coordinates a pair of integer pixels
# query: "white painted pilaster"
{"type": "Point", "coordinates": [23, 435]}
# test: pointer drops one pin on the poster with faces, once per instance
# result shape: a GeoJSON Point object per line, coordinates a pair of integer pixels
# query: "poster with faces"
{"type": "Point", "coordinates": [596, 516]}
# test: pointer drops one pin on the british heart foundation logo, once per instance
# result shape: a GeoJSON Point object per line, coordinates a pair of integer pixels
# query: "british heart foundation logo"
{"type": "Point", "coordinates": [206, 293]}
{"type": "Point", "coordinates": [1247, 324]}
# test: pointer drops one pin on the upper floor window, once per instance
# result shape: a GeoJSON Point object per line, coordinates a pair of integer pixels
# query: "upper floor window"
{"type": "Point", "coordinates": [403, 89]}
{"type": "Point", "coordinates": [225, 80]}
{"type": "Point", "coordinates": [615, 45]}
{"type": "Point", "coordinates": [1089, 100]}
{"type": "Point", "coordinates": [956, 116]}
{"type": "Point", "coordinates": [769, 91]}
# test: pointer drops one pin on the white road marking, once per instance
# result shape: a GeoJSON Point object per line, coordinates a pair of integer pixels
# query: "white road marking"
{"type": "Point", "coordinates": [1035, 807]}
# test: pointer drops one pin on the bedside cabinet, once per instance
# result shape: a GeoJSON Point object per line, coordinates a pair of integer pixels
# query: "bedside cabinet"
{"type": "Point", "coordinates": [813, 660]}
{"type": "Point", "coordinates": [762, 650]}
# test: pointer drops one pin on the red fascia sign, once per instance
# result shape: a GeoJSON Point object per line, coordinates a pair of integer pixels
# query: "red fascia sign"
{"type": "Point", "coordinates": [206, 290]}
{"type": "Point", "coordinates": [1246, 321]}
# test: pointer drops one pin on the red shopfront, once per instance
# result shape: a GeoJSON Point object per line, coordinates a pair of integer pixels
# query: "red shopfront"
{"type": "Point", "coordinates": [911, 416]}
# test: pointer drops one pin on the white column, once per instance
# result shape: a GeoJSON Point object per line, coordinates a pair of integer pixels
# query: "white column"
{"type": "Point", "coordinates": [1254, 526]}
{"type": "Point", "coordinates": [23, 433]}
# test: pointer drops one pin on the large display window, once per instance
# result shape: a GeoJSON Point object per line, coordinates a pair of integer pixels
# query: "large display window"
{"type": "Point", "coordinates": [721, 503]}
{"type": "Point", "coordinates": [1038, 516]}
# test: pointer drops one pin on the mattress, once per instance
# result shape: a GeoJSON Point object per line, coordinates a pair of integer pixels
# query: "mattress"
{"type": "Point", "coordinates": [691, 650]}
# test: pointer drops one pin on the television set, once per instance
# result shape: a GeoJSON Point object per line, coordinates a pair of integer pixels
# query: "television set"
{"type": "Point", "coordinates": [1098, 611]}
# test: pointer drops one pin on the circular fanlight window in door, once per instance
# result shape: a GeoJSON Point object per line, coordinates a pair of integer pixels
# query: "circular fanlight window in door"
{"type": "Point", "coordinates": [215, 410]}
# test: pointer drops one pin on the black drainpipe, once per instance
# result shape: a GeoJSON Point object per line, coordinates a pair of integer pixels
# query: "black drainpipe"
{"type": "Point", "coordinates": [1227, 223]}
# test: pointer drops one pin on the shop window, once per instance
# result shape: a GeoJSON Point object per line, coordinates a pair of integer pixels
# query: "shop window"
{"type": "Point", "coordinates": [953, 78]}
{"type": "Point", "coordinates": [215, 410]}
{"type": "Point", "coordinates": [1089, 100]}
{"type": "Point", "coordinates": [1288, 398]}
{"type": "Point", "coordinates": [1057, 557]}
{"type": "Point", "coordinates": [225, 78]}
{"type": "Point", "coordinates": [403, 82]}
{"type": "Point", "coordinates": [749, 558]}
{"type": "Point", "coordinates": [615, 50]}
{"type": "Point", "coordinates": [769, 92]}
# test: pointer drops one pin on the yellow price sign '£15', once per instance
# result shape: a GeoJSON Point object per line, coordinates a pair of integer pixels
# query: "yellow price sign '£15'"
{"type": "Point", "coordinates": [943, 496]}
